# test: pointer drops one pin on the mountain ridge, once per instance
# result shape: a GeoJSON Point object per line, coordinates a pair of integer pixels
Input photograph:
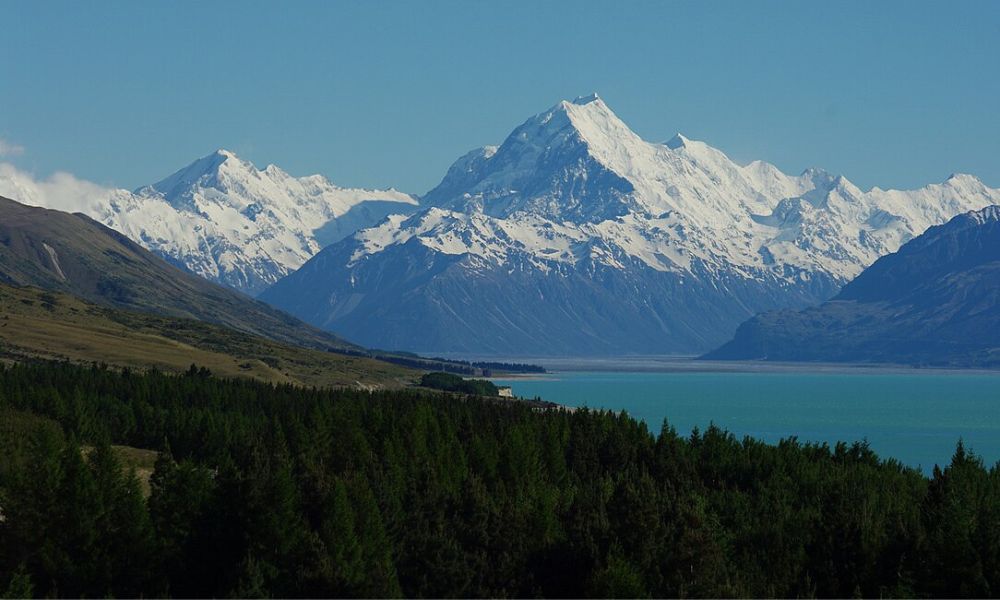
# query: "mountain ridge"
{"type": "Point", "coordinates": [573, 193]}
{"type": "Point", "coordinates": [936, 301]}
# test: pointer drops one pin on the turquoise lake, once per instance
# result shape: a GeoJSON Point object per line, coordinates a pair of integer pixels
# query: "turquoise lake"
{"type": "Point", "coordinates": [916, 418]}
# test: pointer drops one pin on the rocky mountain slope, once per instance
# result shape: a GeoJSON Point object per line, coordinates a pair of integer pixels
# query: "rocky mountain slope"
{"type": "Point", "coordinates": [222, 218]}
{"type": "Point", "coordinates": [934, 302]}
{"type": "Point", "coordinates": [73, 254]}
{"type": "Point", "coordinates": [575, 236]}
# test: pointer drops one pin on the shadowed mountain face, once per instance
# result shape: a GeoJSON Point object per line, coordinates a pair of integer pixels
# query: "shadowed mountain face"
{"type": "Point", "coordinates": [418, 299]}
{"type": "Point", "coordinates": [71, 253]}
{"type": "Point", "coordinates": [936, 301]}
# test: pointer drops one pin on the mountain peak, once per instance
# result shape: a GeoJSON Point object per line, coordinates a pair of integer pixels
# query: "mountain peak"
{"type": "Point", "coordinates": [589, 102]}
{"type": "Point", "coordinates": [821, 178]}
{"type": "Point", "coordinates": [211, 162]}
{"type": "Point", "coordinates": [207, 171]}
{"type": "Point", "coordinates": [582, 100]}
{"type": "Point", "coordinates": [963, 179]}
{"type": "Point", "coordinates": [678, 141]}
{"type": "Point", "coordinates": [816, 172]}
{"type": "Point", "coordinates": [694, 147]}
{"type": "Point", "coordinates": [204, 167]}
{"type": "Point", "coordinates": [576, 141]}
{"type": "Point", "coordinates": [597, 123]}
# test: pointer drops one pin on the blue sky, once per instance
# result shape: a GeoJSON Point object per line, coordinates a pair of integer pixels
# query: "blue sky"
{"type": "Point", "coordinates": [894, 94]}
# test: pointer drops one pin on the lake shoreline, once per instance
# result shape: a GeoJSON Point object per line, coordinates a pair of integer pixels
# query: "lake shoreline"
{"type": "Point", "coordinates": [690, 364]}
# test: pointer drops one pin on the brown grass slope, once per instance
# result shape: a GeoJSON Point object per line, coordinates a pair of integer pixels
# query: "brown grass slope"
{"type": "Point", "coordinates": [40, 324]}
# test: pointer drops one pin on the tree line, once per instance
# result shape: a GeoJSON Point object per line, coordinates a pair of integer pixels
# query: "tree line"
{"type": "Point", "coordinates": [275, 490]}
{"type": "Point", "coordinates": [457, 366]}
{"type": "Point", "coordinates": [454, 383]}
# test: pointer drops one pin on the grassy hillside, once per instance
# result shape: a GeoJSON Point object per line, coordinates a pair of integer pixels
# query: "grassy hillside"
{"type": "Point", "coordinates": [74, 254]}
{"type": "Point", "coordinates": [38, 324]}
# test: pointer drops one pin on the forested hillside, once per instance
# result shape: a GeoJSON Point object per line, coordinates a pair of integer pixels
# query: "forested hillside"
{"type": "Point", "coordinates": [279, 490]}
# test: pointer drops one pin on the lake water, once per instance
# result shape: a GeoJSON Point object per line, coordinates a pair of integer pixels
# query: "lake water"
{"type": "Point", "coordinates": [916, 417]}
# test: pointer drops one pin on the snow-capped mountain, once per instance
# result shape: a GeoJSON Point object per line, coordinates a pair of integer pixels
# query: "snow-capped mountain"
{"type": "Point", "coordinates": [575, 236]}
{"type": "Point", "coordinates": [222, 218]}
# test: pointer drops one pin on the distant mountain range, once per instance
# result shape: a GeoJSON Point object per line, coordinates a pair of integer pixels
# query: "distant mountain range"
{"type": "Point", "coordinates": [573, 237]}
{"type": "Point", "coordinates": [576, 237]}
{"type": "Point", "coordinates": [222, 218]}
{"type": "Point", "coordinates": [73, 254]}
{"type": "Point", "coordinates": [934, 302]}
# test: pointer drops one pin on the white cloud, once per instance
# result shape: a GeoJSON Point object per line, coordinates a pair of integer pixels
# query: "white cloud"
{"type": "Point", "coordinates": [61, 191]}
{"type": "Point", "coordinates": [10, 149]}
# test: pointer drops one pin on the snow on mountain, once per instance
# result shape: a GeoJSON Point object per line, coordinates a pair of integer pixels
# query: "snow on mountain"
{"type": "Point", "coordinates": [222, 218]}
{"type": "Point", "coordinates": [576, 172]}
{"type": "Point", "coordinates": [573, 193]}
